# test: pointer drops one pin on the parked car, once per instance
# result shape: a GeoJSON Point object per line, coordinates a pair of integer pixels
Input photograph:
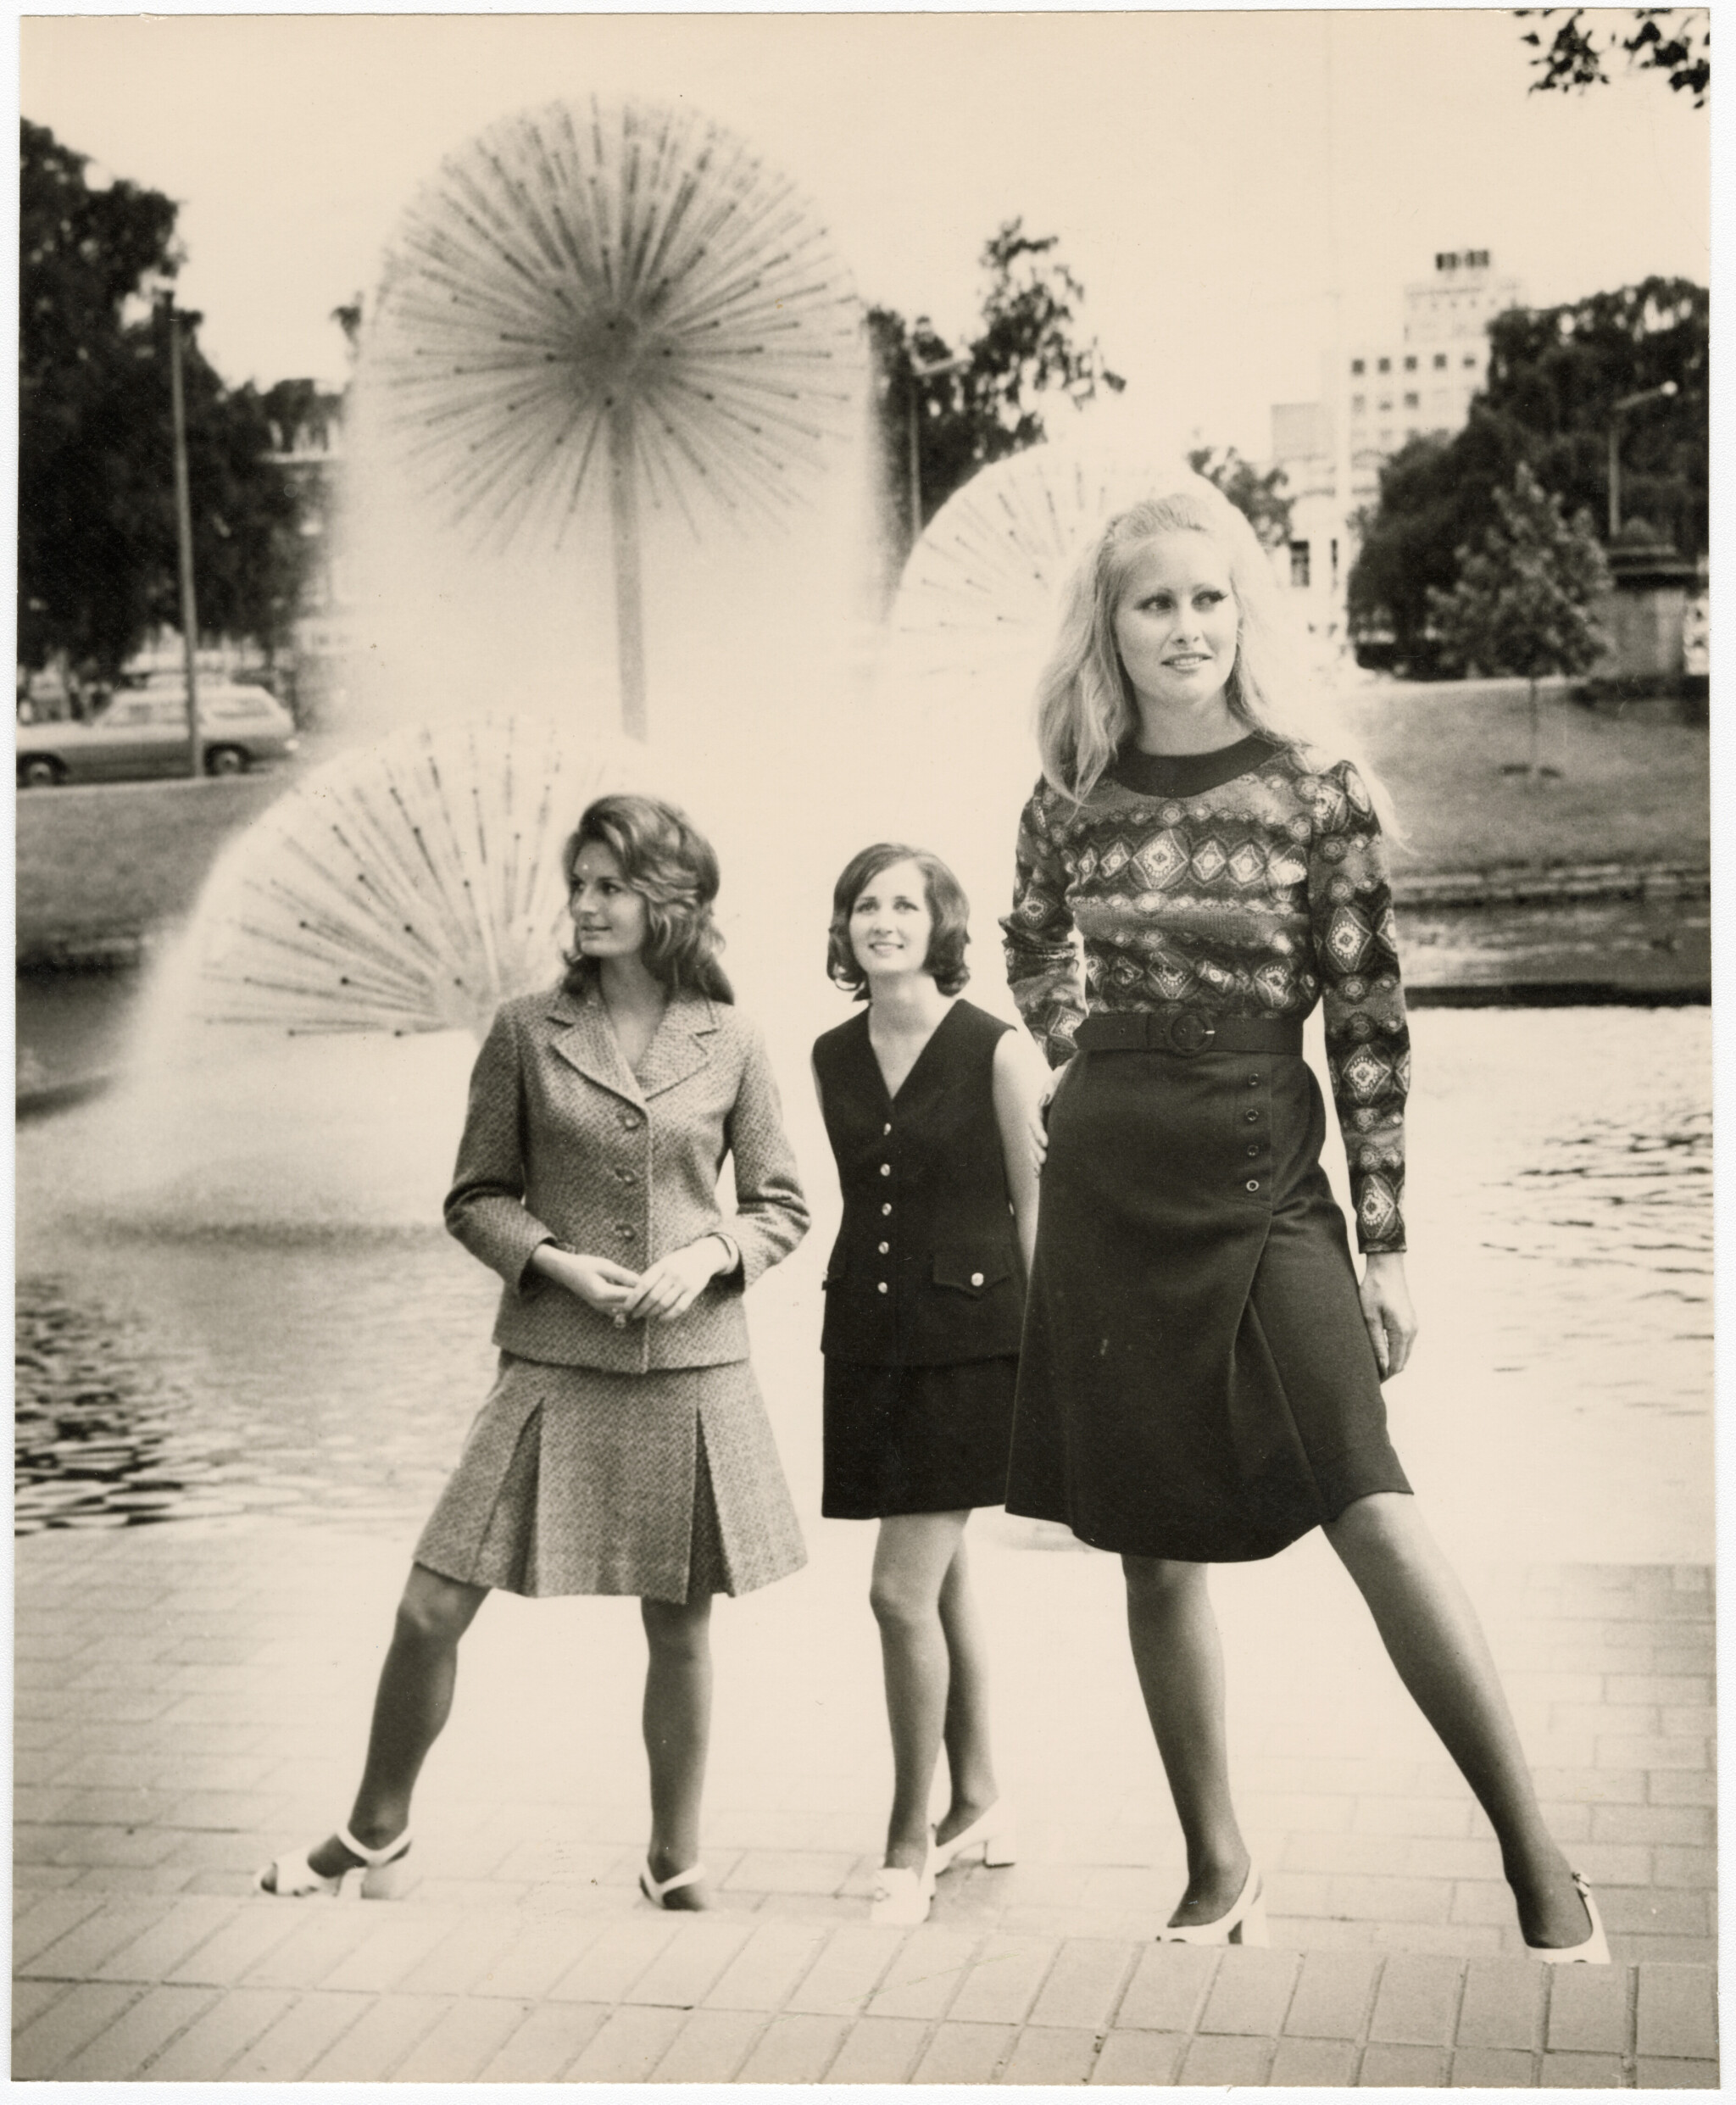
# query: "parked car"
{"type": "Point", "coordinates": [144, 731]}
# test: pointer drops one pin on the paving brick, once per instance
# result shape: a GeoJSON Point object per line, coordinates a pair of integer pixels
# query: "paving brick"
{"type": "Point", "coordinates": [308, 2028]}
{"type": "Point", "coordinates": [1582, 2072]}
{"type": "Point", "coordinates": [242, 1943]}
{"type": "Point", "coordinates": [878, 2050]}
{"type": "Point", "coordinates": [464, 2041]}
{"type": "Point", "coordinates": [39, 1923]}
{"type": "Point", "coordinates": [1691, 1826]}
{"type": "Point", "coordinates": [1675, 2075]}
{"type": "Point", "coordinates": [1051, 2054]}
{"type": "Point", "coordinates": [1674, 1865]}
{"type": "Point", "coordinates": [1083, 1984]}
{"type": "Point", "coordinates": [550, 2039]}
{"type": "Point", "coordinates": [847, 1972]}
{"type": "Point", "coordinates": [395, 1940]}
{"type": "Point", "coordinates": [76, 1954]}
{"type": "Point", "coordinates": [1169, 1987]}
{"type": "Point", "coordinates": [789, 1871]}
{"type": "Point", "coordinates": [1332, 1995]}
{"type": "Point", "coordinates": [1418, 2002]}
{"type": "Point", "coordinates": [923, 1979]}
{"type": "Point", "coordinates": [123, 2051]}
{"type": "Point", "coordinates": [1678, 2012]}
{"type": "Point", "coordinates": [1210, 2063]}
{"type": "Point", "coordinates": [1503, 2004]}
{"type": "Point", "coordinates": [322, 1933]}
{"type": "Point", "coordinates": [610, 1965]}
{"type": "Point", "coordinates": [205, 2050]}
{"type": "Point", "coordinates": [29, 1998]}
{"type": "Point", "coordinates": [42, 2049]}
{"type": "Point", "coordinates": [965, 2054]}
{"type": "Point", "coordinates": [1596, 1786]}
{"type": "Point", "coordinates": [1147, 2057]}
{"type": "Point", "coordinates": [690, 1963]}
{"type": "Point", "coordinates": [1389, 1900]}
{"type": "Point", "coordinates": [1313, 2063]}
{"type": "Point", "coordinates": [1665, 1911]}
{"type": "Point", "coordinates": [1001, 1984]}
{"type": "Point", "coordinates": [1682, 1787]}
{"type": "Point", "coordinates": [1670, 1688]}
{"type": "Point", "coordinates": [1251, 1992]}
{"type": "Point", "coordinates": [529, 1967]}
{"type": "Point", "coordinates": [793, 2049]}
{"type": "Point", "coordinates": [1493, 2069]}
{"type": "Point", "coordinates": [627, 2045]}
{"type": "Point", "coordinates": [1402, 2068]}
{"type": "Point", "coordinates": [1589, 2009]}
{"type": "Point", "coordinates": [1652, 1751]}
{"type": "Point", "coordinates": [767, 1967]}
{"type": "Point", "coordinates": [1446, 1817]}
{"type": "Point", "coordinates": [374, 2046]}
{"type": "Point", "coordinates": [710, 2047]}
{"type": "Point", "coordinates": [460, 1963]}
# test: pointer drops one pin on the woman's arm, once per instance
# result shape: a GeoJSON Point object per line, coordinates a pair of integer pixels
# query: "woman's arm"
{"type": "Point", "coordinates": [1020, 1088]}
{"type": "Point", "coordinates": [1386, 1310]}
{"type": "Point", "coordinates": [485, 1208]}
{"type": "Point", "coordinates": [1044, 968]}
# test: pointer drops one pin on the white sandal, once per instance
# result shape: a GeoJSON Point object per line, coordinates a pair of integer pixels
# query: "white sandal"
{"type": "Point", "coordinates": [655, 1889]}
{"type": "Point", "coordinates": [377, 1877]}
{"type": "Point", "coordinates": [995, 1833]}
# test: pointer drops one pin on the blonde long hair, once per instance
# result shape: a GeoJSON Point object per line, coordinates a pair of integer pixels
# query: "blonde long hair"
{"type": "Point", "coordinates": [1085, 703]}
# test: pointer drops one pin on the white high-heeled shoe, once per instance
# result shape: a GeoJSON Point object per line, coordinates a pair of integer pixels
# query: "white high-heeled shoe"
{"type": "Point", "coordinates": [903, 1897]}
{"type": "Point", "coordinates": [1594, 1951]}
{"type": "Point", "coordinates": [657, 1890]}
{"type": "Point", "coordinates": [995, 1833]}
{"type": "Point", "coordinates": [377, 1877]}
{"type": "Point", "coordinates": [1243, 1923]}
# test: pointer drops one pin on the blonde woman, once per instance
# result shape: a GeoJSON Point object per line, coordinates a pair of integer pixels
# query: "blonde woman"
{"type": "Point", "coordinates": [1201, 1370]}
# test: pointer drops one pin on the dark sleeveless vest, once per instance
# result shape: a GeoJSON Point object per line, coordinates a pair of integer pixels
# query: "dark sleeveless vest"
{"type": "Point", "coordinates": [926, 1269]}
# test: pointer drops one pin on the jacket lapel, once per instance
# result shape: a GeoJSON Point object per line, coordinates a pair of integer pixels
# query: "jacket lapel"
{"type": "Point", "coordinates": [583, 1037]}
{"type": "Point", "coordinates": [679, 1048]}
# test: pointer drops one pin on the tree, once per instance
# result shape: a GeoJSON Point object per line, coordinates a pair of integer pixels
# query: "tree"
{"type": "Point", "coordinates": [1555, 376]}
{"type": "Point", "coordinates": [1674, 41]}
{"type": "Point", "coordinates": [1521, 605]}
{"type": "Point", "coordinates": [1260, 496]}
{"type": "Point", "coordinates": [990, 401]}
{"type": "Point", "coordinates": [96, 502]}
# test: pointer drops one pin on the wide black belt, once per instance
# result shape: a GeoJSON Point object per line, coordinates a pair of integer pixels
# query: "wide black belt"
{"type": "Point", "coordinates": [1188, 1032]}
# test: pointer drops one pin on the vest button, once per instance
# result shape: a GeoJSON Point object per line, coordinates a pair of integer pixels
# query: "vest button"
{"type": "Point", "coordinates": [884, 1247]}
{"type": "Point", "coordinates": [1254, 1147]}
{"type": "Point", "coordinates": [1254, 1081]}
{"type": "Point", "coordinates": [886, 1128]}
{"type": "Point", "coordinates": [887, 1208]}
{"type": "Point", "coordinates": [881, 1287]}
{"type": "Point", "coordinates": [975, 1279]}
{"type": "Point", "coordinates": [1252, 1184]}
{"type": "Point", "coordinates": [886, 1169]}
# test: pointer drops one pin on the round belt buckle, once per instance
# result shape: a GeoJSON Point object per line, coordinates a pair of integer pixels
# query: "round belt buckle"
{"type": "Point", "coordinates": [1188, 1031]}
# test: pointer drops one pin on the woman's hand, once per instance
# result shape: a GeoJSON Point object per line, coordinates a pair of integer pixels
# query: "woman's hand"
{"type": "Point", "coordinates": [598, 1281]}
{"type": "Point", "coordinates": [669, 1288]}
{"type": "Point", "coordinates": [1386, 1310]}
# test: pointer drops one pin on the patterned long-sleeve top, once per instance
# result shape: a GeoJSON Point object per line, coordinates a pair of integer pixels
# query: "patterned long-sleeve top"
{"type": "Point", "coordinates": [1250, 882]}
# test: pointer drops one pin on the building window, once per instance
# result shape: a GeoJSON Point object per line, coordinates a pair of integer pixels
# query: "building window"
{"type": "Point", "coordinates": [1469, 359]}
{"type": "Point", "coordinates": [1386, 403]}
{"type": "Point", "coordinates": [1359, 405]}
{"type": "Point", "coordinates": [1409, 366]}
{"type": "Point", "coordinates": [1385, 437]}
{"type": "Point", "coordinates": [1413, 402]}
{"type": "Point", "coordinates": [1411, 432]}
{"type": "Point", "coordinates": [1440, 361]}
{"type": "Point", "coordinates": [1298, 565]}
{"type": "Point", "coordinates": [1477, 259]}
{"type": "Point", "coordinates": [1386, 365]}
{"type": "Point", "coordinates": [1357, 365]}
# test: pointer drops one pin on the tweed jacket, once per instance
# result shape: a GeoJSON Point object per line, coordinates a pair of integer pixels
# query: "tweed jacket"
{"type": "Point", "coordinates": [563, 1141]}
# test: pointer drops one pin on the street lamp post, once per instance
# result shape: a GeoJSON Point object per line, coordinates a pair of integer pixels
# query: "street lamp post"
{"type": "Point", "coordinates": [184, 534]}
{"type": "Point", "coordinates": [1616, 411]}
{"type": "Point", "coordinates": [920, 372]}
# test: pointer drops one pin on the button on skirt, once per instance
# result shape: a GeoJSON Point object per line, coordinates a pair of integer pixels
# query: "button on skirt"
{"type": "Point", "coordinates": [576, 1481]}
{"type": "Point", "coordinates": [1195, 1380]}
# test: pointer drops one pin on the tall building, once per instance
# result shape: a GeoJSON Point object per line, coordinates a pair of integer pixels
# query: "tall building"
{"type": "Point", "coordinates": [1375, 397]}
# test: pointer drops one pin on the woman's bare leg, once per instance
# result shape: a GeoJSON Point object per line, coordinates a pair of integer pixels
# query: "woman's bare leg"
{"type": "Point", "coordinates": [1179, 1658]}
{"type": "Point", "coordinates": [411, 1706]}
{"type": "Point", "coordinates": [678, 1725]}
{"type": "Point", "coordinates": [912, 1557]}
{"type": "Point", "coordinates": [970, 1764]}
{"type": "Point", "coordinates": [1433, 1638]}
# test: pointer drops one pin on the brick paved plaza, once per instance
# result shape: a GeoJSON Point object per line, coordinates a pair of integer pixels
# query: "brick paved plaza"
{"type": "Point", "coordinates": [191, 1699]}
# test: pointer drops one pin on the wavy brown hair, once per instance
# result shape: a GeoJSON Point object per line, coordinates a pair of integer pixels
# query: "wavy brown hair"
{"type": "Point", "coordinates": [666, 859]}
{"type": "Point", "coordinates": [948, 906]}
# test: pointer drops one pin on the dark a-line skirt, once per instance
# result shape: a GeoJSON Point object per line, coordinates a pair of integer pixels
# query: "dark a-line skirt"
{"type": "Point", "coordinates": [916, 1439]}
{"type": "Point", "coordinates": [1195, 1380]}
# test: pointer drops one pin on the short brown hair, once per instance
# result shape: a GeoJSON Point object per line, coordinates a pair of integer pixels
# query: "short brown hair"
{"type": "Point", "coordinates": [946, 904]}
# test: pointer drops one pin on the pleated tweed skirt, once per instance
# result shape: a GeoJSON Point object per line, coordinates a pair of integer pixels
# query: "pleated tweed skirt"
{"type": "Point", "coordinates": [667, 1485]}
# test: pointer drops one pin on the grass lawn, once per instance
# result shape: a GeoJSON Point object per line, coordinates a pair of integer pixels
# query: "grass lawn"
{"type": "Point", "coordinates": [121, 858]}
{"type": "Point", "coordinates": [1628, 790]}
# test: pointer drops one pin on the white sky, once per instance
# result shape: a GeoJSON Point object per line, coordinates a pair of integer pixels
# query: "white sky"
{"type": "Point", "coordinates": [1186, 160]}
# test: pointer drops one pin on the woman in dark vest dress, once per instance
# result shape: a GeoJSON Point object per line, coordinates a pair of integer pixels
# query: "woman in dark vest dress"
{"type": "Point", "coordinates": [930, 1105]}
{"type": "Point", "coordinates": [1201, 1373]}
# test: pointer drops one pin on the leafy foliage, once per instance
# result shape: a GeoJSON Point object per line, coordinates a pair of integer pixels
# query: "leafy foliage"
{"type": "Point", "coordinates": [1521, 605]}
{"type": "Point", "coordinates": [1260, 496]}
{"type": "Point", "coordinates": [1555, 374]}
{"type": "Point", "coordinates": [97, 546]}
{"type": "Point", "coordinates": [991, 402]}
{"type": "Point", "coordinates": [1674, 41]}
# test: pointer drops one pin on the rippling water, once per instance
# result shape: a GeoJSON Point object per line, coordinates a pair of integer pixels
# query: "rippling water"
{"type": "Point", "coordinates": [1559, 1210]}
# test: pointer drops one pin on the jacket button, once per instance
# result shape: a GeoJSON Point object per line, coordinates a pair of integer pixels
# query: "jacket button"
{"type": "Point", "coordinates": [975, 1279]}
{"type": "Point", "coordinates": [884, 1247]}
{"type": "Point", "coordinates": [886, 1169]}
{"type": "Point", "coordinates": [625, 1232]}
{"type": "Point", "coordinates": [886, 1207]}
{"type": "Point", "coordinates": [1252, 1184]}
{"type": "Point", "coordinates": [630, 1120]}
{"type": "Point", "coordinates": [881, 1287]}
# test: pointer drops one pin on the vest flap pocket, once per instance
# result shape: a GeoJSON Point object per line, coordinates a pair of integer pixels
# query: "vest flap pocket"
{"type": "Point", "coordinates": [971, 1271]}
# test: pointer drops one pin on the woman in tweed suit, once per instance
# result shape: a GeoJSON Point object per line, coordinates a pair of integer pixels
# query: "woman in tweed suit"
{"type": "Point", "coordinates": [624, 1448]}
